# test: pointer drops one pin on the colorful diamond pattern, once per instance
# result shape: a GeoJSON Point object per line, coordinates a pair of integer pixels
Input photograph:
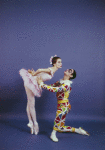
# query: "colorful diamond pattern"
{"type": "Point", "coordinates": [61, 113]}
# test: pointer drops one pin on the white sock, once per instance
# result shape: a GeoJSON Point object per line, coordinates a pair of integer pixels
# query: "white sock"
{"type": "Point", "coordinates": [53, 136]}
{"type": "Point", "coordinates": [81, 131]}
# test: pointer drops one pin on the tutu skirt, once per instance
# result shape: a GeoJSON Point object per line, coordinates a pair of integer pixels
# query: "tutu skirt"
{"type": "Point", "coordinates": [30, 82]}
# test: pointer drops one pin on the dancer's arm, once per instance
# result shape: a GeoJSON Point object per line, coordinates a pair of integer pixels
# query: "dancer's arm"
{"type": "Point", "coordinates": [62, 88]}
{"type": "Point", "coordinates": [34, 73]}
{"type": "Point", "coordinates": [56, 84]}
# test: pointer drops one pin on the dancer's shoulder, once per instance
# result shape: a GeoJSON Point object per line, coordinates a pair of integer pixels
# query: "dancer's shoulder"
{"type": "Point", "coordinates": [51, 71]}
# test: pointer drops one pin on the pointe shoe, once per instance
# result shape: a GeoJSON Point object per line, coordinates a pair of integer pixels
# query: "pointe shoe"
{"type": "Point", "coordinates": [31, 128]}
{"type": "Point", "coordinates": [53, 138]}
{"type": "Point", "coordinates": [83, 132]}
{"type": "Point", "coordinates": [36, 129]}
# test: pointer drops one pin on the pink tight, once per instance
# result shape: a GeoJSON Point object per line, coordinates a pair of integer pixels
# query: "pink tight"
{"type": "Point", "coordinates": [31, 113]}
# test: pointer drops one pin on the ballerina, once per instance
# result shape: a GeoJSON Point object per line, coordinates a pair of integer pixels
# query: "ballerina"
{"type": "Point", "coordinates": [33, 89]}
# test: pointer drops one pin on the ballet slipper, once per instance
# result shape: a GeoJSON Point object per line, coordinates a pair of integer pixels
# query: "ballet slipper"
{"type": "Point", "coordinates": [31, 128]}
{"type": "Point", "coordinates": [53, 137]}
{"type": "Point", "coordinates": [36, 129]}
{"type": "Point", "coordinates": [83, 132]}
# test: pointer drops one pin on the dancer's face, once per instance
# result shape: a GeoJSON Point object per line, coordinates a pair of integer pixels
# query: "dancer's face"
{"type": "Point", "coordinates": [69, 72]}
{"type": "Point", "coordinates": [58, 63]}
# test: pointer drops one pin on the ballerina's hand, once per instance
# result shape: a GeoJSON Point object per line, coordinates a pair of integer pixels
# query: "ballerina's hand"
{"type": "Point", "coordinates": [39, 80]}
{"type": "Point", "coordinates": [30, 71]}
{"type": "Point", "coordinates": [33, 72]}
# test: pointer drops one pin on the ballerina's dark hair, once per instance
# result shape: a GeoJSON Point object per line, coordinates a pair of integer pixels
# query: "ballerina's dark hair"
{"type": "Point", "coordinates": [54, 60]}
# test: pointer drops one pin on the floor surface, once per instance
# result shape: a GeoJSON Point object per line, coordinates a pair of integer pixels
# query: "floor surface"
{"type": "Point", "coordinates": [15, 135]}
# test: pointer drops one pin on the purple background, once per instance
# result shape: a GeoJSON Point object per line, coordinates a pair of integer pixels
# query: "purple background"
{"type": "Point", "coordinates": [33, 31]}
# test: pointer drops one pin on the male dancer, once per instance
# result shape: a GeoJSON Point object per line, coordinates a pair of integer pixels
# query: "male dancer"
{"type": "Point", "coordinates": [63, 89]}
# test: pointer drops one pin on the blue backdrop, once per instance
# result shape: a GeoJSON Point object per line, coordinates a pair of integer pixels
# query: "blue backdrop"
{"type": "Point", "coordinates": [33, 31]}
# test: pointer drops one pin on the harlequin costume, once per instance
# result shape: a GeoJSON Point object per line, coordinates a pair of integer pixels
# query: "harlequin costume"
{"type": "Point", "coordinates": [63, 89]}
{"type": "Point", "coordinates": [31, 83]}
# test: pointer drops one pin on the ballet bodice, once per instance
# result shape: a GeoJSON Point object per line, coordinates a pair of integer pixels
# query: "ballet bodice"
{"type": "Point", "coordinates": [45, 76]}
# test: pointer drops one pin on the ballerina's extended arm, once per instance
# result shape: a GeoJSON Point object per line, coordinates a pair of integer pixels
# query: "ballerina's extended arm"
{"type": "Point", "coordinates": [34, 73]}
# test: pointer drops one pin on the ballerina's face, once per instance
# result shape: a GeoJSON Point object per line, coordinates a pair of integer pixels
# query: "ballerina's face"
{"type": "Point", "coordinates": [58, 63]}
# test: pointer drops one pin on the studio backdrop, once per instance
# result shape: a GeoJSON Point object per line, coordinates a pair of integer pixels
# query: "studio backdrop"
{"type": "Point", "coordinates": [32, 32]}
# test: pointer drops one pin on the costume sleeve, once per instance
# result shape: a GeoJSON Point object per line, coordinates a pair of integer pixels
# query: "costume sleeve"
{"type": "Point", "coordinates": [62, 88]}
{"type": "Point", "coordinates": [55, 84]}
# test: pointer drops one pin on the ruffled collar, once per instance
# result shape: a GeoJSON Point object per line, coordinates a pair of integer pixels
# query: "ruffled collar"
{"type": "Point", "coordinates": [67, 82]}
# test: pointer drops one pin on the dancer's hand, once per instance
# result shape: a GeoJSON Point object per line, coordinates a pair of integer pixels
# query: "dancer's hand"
{"type": "Point", "coordinates": [32, 72]}
{"type": "Point", "coordinates": [39, 80]}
